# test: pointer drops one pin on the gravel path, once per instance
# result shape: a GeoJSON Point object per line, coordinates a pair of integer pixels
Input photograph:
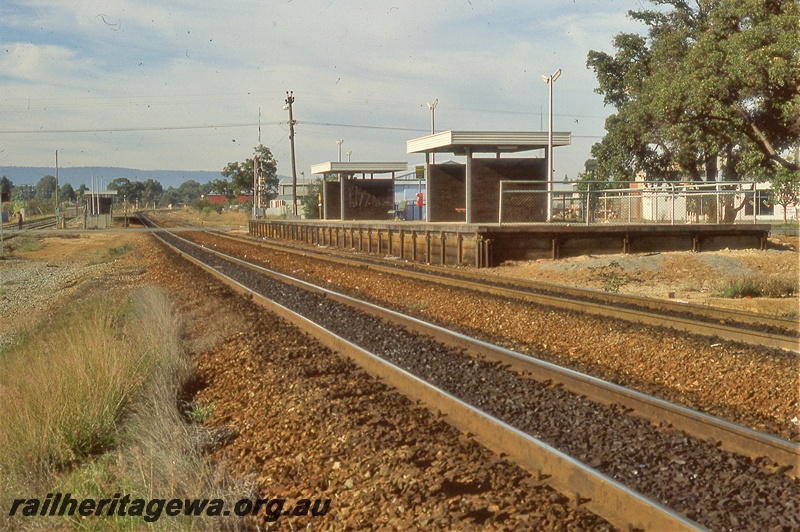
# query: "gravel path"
{"type": "Point", "coordinates": [30, 287]}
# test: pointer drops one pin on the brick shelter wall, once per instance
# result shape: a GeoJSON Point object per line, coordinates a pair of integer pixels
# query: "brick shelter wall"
{"type": "Point", "coordinates": [447, 187]}
{"type": "Point", "coordinates": [487, 174]}
{"type": "Point", "coordinates": [446, 192]}
{"type": "Point", "coordinates": [332, 199]}
{"type": "Point", "coordinates": [365, 199]}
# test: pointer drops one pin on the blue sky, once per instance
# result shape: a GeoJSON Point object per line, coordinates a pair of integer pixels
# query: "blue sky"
{"type": "Point", "coordinates": [178, 85]}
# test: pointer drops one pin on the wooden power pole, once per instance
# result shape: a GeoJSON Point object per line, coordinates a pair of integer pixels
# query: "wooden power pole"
{"type": "Point", "coordinates": [289, 102]}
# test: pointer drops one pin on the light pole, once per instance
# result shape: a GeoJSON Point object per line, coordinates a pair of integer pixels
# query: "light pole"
{"type": "Point", "coordinates": [289, 102]}
{"type": "Point", "coordinates": [339, 148]}
{"type": "Point", "coordinates": [348, 155]}
{"type": "Point", "coordinates": [56, 210]}
{"type": "Point", "coordinates": [432, 108]}
{"type": "Point", "coordinates": [550, 80]}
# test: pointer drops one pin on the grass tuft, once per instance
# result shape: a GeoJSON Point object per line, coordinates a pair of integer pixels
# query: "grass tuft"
{"type": "Point", "coordinates": [198, 411]}
{"type": "Point", "coordinates": [27, 244]}
{"type": "Point", "coordinates": [773, 286]}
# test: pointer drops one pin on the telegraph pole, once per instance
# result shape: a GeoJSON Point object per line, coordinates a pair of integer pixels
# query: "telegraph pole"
{"type": "Point", "coordinates": [256, 174]}
{"type": "Point", "coordinates": [57, 223]}
{"type": "Point", "coordinates": [289, 102]}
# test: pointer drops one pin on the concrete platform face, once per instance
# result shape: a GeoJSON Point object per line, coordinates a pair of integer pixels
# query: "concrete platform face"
{"type": "Point", "coordinates": [483, 245]}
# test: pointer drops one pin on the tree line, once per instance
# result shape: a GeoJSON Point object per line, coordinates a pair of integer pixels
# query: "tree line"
{"type": "Point", "coordinates": [236, 178]}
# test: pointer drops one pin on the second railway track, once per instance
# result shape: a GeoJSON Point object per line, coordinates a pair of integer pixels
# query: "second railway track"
{"type": "Point", "coordinates": [725, 324]}
{"type": "Point", "coordinates": [695, 478]}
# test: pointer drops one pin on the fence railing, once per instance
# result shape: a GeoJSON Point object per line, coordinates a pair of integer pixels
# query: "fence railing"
{"type": "Point", "coordinates": [633, 203]}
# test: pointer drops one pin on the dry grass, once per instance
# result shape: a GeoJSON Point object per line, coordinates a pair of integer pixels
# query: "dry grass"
{"type": "Point", "coordinates": [759, 285]}
{"type": "Point", "coordinates": [209, 217]}
{"type": "Point", "coordinates": [27, 245]}
{"type": "Point", "coordinates": [66, 387]}
{"type": "Point", "coordinates": [90, 404]}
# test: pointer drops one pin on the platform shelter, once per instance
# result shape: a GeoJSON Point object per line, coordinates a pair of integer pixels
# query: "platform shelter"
{"type": "Point", "coordinates": [470, 192]}
{"type": "Point", "coordinates": [351, 198]}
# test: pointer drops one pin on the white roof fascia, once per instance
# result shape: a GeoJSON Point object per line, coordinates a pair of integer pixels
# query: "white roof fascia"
{"type": "Point", "coordinates": [358, 167]}
{"type": "Point", "coordinates": [486, 141]}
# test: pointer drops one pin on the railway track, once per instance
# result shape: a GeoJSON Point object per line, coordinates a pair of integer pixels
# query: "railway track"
{"type": "Point", "coordinates": [13, 229]}
{"type": "Point", "coordinates": [725, 324]}
{"type": "Point", "coordinates": [640, 473]}
{"type": "Point", "coordinates": [35, 225]}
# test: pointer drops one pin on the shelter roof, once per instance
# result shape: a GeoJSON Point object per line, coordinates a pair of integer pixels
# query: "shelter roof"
{"type": "Point", "coordinates": [348, 167]}
{"type": "Point", "coordinates": [458, 142]}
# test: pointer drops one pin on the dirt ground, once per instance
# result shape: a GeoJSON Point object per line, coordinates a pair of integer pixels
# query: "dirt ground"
{"type": "Point", "coordinates": [682, 275]}
{"type": "Point", "coordinates": [41, 280]}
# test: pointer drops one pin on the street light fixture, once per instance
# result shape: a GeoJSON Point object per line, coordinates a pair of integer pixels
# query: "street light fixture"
{"type": "Point", "coordinates": [550, 80]}
{"type": "Point", "coordinates": [432, 108]}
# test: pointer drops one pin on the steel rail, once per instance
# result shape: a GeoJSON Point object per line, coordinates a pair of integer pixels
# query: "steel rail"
{"type": "Point", "coordinates": [661, 306]}
{"type": "Point", "coordinates": [647, 311]}
{"type": "Point", "coordinates": [732, 436]}
{"type": "Point", "coordinates": [599, 493]}
{"type": "Point", "coordinates": [439, 274]}
{"type": "Point", "coordinates": [38, 226]}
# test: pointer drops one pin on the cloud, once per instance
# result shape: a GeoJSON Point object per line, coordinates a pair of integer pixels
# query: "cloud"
{"type": "Point", "coordinates": [40, 63]}
{"type": "Point", "coordinates": [145, 63]}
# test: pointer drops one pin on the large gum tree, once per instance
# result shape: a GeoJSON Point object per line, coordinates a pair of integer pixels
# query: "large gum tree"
{"type": "Point", "coordinates": [713, 81]}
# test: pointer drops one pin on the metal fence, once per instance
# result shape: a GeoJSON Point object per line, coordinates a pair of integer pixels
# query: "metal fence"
{"type": "Point", "coordinates": [633, 203]}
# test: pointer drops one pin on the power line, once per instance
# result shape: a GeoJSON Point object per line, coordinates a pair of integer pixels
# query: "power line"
{"type": "Point", "coordinates": [203, 126]}
{"type": "Point", "coordinates": [130, 129]}
{"type": "Point", "coordinates": [360, 126]}
{"type": "Point", "coordinates": [222, 126]}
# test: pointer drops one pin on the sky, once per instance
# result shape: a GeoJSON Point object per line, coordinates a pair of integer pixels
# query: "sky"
{"type": "Point", "coordinates": [193, 85]}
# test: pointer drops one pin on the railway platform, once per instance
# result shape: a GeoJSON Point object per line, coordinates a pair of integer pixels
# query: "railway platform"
{"type": "Point", "coordinates": [486, 245]}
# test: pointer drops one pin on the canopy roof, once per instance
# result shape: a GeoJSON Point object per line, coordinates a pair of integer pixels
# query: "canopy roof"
{"type": "Point", "coordinates": [332, 167]}
{"type": "Point", "coordinates": [459, 142]}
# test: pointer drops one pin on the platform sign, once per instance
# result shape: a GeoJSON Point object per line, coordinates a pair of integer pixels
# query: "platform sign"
{"type": "Point", "coordinates": [421, 172]}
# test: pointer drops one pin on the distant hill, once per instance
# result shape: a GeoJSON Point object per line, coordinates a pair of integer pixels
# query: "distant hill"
{"type": "Point", "coordinates": [29, 175]}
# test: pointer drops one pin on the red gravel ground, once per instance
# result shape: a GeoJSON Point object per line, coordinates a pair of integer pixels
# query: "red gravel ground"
{"type": "Point", "coordinates": [300, 423]}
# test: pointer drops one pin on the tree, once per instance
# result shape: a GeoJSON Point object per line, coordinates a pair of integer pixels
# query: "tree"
{"type": "Point", "coordinates": [224, 187]}
{"type": "Point", "coordinates": [5, 186]}
{"type": "Point", "coordinates": [67, 193]}
{"type": "Point", "coordinates": [786, 188]}
{"type": "Point", "coordinates": [23, 193]}
{"type": "Point", "coordinates": [714, 81]}
{"type": "Point", "coordinates": [189, 191]}
{"type": "Point", "coordinates": [46, 188]}
{"type": "Point", "coordinates": [151, 191]}
{"type": "Point", "coordinates": [312, 199]}
{"type": "Point", "coordinates": [241, 174]}
{"type": "Point", "coordinates": [147, 192]}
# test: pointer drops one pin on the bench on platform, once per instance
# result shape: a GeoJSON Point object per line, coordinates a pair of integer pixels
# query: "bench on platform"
{"type": "Point", "coordinates": [399, 211]}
